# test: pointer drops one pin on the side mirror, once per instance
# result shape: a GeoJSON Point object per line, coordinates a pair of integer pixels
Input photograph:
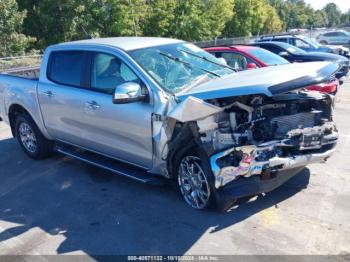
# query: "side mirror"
{"type": "Point", "coordinates": [283, 54]}
{"type": "Point", "coordinates": [129, 92]}
{"type": "Point", "coordinates": [251, 66]}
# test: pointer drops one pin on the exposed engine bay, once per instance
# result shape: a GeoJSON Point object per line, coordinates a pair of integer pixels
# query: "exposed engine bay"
{"type": "Point", "coordinates": [259, 135]}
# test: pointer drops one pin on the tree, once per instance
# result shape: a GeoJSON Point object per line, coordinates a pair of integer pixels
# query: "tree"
{"type": "Point", "coordinates": [333, 14]}
{"type": "Point", "coordinates": [251, 18]}
{"type": "Point", "coordinates": [159, 18]}
{"type": "Point", "coordinates": [51, 21]}
{"type": "Point", "coordinates": [345, 18]}
{"type": "Point", "coordinates": [54, 21]}
{"type": "Point", "coordinates": [319, 19]}
{"type": "Point", "coordinates": [273, 23]}
{"type": "Point", "coordinates": [198, 19]}
{"type": "Point", "coordinates": [216, 13]}
{"type": "Point", "coordinates": [12, 41]}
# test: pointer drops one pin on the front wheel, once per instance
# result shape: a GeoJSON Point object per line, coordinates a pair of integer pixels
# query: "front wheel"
{"type": "Point", "coordinates": [193, 182]}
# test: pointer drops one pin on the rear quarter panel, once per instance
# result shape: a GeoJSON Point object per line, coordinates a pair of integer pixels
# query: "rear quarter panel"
{"type": "Point", "coordinates": [20, 91]}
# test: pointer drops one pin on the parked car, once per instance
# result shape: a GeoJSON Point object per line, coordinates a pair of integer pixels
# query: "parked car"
{"type": "Point", "coordinates": [299, 41]}
{"type": "Point", "coordinates": [153, 107]}
{"type": "Point", "coordinates": [294, 54]}
{"type": "Point", "coordinates": [243, 57]}
{"type": "Point", "coordinates": [306, 44]}
{"type": "Point", "coordinates": [338, 37]}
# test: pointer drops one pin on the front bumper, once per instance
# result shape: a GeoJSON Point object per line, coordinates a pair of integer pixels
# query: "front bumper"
{"type": "Point", "coordinates": [254, 185]}
{"type": "Point", "coordinates": [257, 184]}
{"type": "Point", "coordinates": [305, 146]}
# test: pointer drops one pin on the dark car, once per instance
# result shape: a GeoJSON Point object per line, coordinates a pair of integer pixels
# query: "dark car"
{"type": "Point", "coordinates": [302, 42]}
{"type": "Point", "coordinates": [294, 54]}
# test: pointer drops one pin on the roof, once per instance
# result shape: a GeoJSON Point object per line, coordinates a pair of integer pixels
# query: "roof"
{"type": "Point", "coordinates": [233, 47]}
{"type": "Point", "coordinates": [278, 36]}
{"type": "Point", "coordinates": [276, 43]}
{"type": "Point", "coordinates": [126, 43]}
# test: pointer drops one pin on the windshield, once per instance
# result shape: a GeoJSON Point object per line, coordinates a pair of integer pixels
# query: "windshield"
{"type": "Point", "coordinates": [311, 42]}
{"type": "Point", "coordinates": [292, 49]}
{"type": "Point", "coordinates": [267, 57]}
{"type": "Point", "coordinates": [175, 68]}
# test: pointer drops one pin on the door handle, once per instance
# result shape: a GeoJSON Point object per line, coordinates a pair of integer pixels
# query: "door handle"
{"type": "Point", "coordinates": [48, 93]}
{"type": "Point", "coordinates": [92, 105]}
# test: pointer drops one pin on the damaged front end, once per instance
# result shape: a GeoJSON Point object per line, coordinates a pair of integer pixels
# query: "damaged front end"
{"type": "Point", "coordinates": [259, 135]}
{"type": "Point", "coordinates": [254, 135]}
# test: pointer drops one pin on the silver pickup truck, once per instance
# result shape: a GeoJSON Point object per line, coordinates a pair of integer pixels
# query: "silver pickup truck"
{"type": "Point", "coordinates": [148, 108]}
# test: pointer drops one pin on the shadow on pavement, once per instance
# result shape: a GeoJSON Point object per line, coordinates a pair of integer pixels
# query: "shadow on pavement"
{"type": "Point", "coordinates": [101, 214]}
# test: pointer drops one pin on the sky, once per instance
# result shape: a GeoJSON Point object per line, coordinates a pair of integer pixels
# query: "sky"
{"type": "Point", "coordinates": [344, 5]}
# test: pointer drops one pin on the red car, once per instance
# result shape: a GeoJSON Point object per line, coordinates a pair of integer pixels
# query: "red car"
{"type": "Point", "coordinates": [243, 57]}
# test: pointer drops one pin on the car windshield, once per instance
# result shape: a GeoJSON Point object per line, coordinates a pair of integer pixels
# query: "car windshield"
{"type": "Point", "coordinates": [292, 49]}
{"type": "Point", "coordinates": [179, 66]}
{"type": "Point", "coordinates": [311, 42]}
{"type": "Point", "coordinates": [267, 57]}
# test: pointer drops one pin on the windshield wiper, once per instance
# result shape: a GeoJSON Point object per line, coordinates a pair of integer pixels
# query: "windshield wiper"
{"type": "Point", "coordinates": [188, 64]}
{"type": "Point", "coordinates": [208, 60]}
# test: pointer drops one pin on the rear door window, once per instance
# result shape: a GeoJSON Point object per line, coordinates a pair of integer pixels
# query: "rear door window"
{"type": "Point", "coordinates": [67, 67]}
{"type": "Point", "coordinates": [235, 60]}
{"type": "Point", "coordinates": [272, 49]}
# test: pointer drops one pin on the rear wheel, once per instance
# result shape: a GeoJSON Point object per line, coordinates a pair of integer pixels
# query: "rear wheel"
{"type": "Point", "coordinates": [33, 143]}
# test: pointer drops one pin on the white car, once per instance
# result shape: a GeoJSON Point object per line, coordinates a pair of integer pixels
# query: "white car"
{"type": "Point", "coordinates": [340, 50]}
{"type": "Point", "coordinates": [339, 37]}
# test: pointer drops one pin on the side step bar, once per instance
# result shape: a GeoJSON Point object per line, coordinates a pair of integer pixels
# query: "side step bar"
{"type": "Point", "coordinates": [115, 166]}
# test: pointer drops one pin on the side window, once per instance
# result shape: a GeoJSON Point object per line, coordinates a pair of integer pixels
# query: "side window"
{"type": "Point", "coordinates": [283, 40]}
{"type": "Point", "coordinates": [107, 72]}
{"type": "Point", "coordinates": [66, 67]}
{"type": "Point", "coordinates": [301, 44]}
{"type": "Point", "coordinates": [235, 60]}
{"type": "Point", "coordinates": [333, 34]}
{"type": "Point", "coordinates": [272, 49]}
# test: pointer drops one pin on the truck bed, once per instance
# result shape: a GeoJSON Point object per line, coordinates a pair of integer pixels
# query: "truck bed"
{"type": "Point", "coordinates": [30, 72]}
{"type": "Point", "coordinates": [21, 81]}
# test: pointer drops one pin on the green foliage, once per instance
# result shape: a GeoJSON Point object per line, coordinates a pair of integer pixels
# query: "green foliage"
{"type": "Point", "coordinates": [198, 19]}
{"type": "Point", "coordinates": [159, 18]}
{"type": "Point", "coordinates": [333, 14]}
{"type": "Point", "coordinates": [12, 42]}
{"type": "Point", "coordinates": [188, 20]}
{"type": "Point", "coordinates": [345, 18]}
{"type": "Point", "coordinates": [252, 17]}
{"type": "Point", "coordinates": [39, 23]}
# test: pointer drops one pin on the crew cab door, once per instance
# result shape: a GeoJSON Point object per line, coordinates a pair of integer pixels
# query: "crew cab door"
{"type": "Point", "coordinates": [76, 104]}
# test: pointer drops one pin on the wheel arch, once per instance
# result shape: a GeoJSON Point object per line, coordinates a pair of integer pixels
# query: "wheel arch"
{"type": "Point", "coordinates": [185, 139]}
{"type": "Point", "coordinates": [13, 111]}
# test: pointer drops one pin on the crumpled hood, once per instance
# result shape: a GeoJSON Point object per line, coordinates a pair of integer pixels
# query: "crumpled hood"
{"type": "Point", "coordinates": [268, 81]}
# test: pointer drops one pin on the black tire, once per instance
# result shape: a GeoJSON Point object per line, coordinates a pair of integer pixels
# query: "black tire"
{"type": "Point", "coordinates": [43, 147]}
{"type": "Point", "coordinates": [324, 42]}
{"type": "Point", "coordinates": [215, 200]}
